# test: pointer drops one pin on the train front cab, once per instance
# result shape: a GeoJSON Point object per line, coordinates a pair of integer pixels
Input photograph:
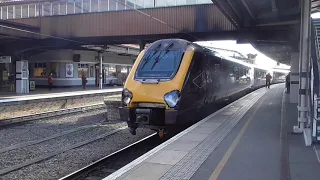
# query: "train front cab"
{"type": "Point", "coordinates": [150, 97]}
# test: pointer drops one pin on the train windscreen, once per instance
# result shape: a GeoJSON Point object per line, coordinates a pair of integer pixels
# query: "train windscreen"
{"type": "Point", "coordinates": [161, 64]}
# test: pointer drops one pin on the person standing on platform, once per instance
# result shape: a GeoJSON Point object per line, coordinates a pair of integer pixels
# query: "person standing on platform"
{"type": "Point", "coordinates": [268, 80]}
{"type": "Point", "coordinates": [84, 81]}
{"type": "Point", "coordinates": [288, 83]}
{"type": "Point", "coordinates": [50, 80]}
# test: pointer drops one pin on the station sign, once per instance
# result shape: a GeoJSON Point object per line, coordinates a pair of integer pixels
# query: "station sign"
{"type": "Point", "coordinates": [5, 59]}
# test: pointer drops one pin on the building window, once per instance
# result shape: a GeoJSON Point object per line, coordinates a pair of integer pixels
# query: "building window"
{"type": "Point", "coordinates": [103, 5]}
{"type": "Point", "coordinates": [160, 3]}
{"type": "Point", "coordinates": [147, 4]}
{"type": "Point", "coordinates": [121, 5]}
{"type": "Point", "coordinates": [86, 6]}
{"type": "Point", "coordinates": [10, 12]}
{"type": "Point", "coordinates": [55, 8]}
{"type": "Point", "coordinates": [40, 70]}
{"type": "Point", "coordinates": [83, 70]}
{"type": "Point", "coordinates": [32, 10]}
{"type": "Point", "coordinates": [46, 9]}
{"type": "Point", "coordinates": [130, 5]}
{"type": "Point", "coordinates": [191, 2]}
{"type": "Point", "coordinates": [204, 1]}
{"type": "Point", "coordinates": [91, 71]}
{"type": "Point", "coordinates": [181, 2]}
{"type": "Point", "coordinates": [170, 3]}
{"type": "Point", "coordinates": [78, 6]}
{"type": "Point", "coordinates": [94, 5]}
{"type": "Point", "coordinates": [18, 11]}
{"type": "Point", "coordinates": [37, 9]}
{"type": "Point", "coordinates": [54, 69]}
{"type": "Point", "coordinates": [112, 70]}
{"type": "Point", "coordinates": [62, 9]}
{"type": "Point", "coordinates": [4, 12]}
{"type": "Point", "coordinates": [112, 5]}
{"type": "Point", "coordinates": [70, 7]}
{"type": "Point", "coordinates": [24, 11]}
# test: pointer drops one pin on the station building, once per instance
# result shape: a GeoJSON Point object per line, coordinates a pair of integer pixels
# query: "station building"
{"type": "Point", "coordinates": [67, 67]}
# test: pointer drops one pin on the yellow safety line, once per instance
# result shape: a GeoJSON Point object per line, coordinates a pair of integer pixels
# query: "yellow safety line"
{"type": "Point", "coordinates": [222, 163]}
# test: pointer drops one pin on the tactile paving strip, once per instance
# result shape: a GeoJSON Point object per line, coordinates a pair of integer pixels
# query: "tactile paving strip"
{"type": "Point", "coordinates": [227, 117]}
{"type": "Point", "coordinates": [185, 168]}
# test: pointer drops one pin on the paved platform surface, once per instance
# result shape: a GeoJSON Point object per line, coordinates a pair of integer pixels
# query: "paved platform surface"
{"type": "Point", "coordinates": [249, 139]}
{"type": "Point", "coordinates": [62, 92]}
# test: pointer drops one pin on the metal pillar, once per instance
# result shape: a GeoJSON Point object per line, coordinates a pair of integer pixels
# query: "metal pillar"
{"type": "Point", "coordinates": [22, 76]}
{"type": "Point", "coordinates": [294, 78]}
{"type": "Point", "coordinates": [100, 70]}
{"type": "Point", "coordinates": [304, 66]}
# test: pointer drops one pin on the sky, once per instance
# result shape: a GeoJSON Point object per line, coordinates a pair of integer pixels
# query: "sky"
{"type": "Point", "coordinates": [261, 59]}
{"type": "Point", "coordinates": [315, 15]}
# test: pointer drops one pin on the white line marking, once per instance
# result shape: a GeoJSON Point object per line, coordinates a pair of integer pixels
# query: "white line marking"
{"type": "Point", "coordinates": [56, 95]}
{"type": "Point", "coordinates": [142, 158]}
{"type": "Point", "coordinates": [317, 154]}
{"type": "Point", "coordinates": [215, 174]}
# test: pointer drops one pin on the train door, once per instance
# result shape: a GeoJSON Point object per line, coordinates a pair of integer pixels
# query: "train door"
{"type": "Point", "coordinates": [213, 75]}
{"type": "Point", "coordinates": [197, 77]}
{"type": "Point", "coordinates": [208, 79]}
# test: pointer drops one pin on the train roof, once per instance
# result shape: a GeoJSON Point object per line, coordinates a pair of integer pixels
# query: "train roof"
{"type": "Point", "coordinates": [183, 44]}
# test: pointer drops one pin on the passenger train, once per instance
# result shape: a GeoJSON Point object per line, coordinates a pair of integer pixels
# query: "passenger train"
{"type": "Point", "coordinates": [173, 81]}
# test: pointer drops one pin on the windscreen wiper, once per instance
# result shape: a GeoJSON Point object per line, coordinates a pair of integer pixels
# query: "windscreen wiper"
{"type": "Point", "coordinates": [149, 56]}
{"type": "Point", "coordinates": [158, 58]}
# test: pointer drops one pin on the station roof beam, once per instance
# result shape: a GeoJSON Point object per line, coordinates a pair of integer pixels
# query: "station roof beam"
{"type": "Point", "coordinates": [13, 30]}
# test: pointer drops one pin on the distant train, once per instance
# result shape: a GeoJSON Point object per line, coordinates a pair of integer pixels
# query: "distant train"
{"type": "Point", "coordinates": [173, 80]}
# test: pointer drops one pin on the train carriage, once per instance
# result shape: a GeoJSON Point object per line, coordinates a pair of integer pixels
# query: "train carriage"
{"type": "Point", "coordinates": [173, 80]}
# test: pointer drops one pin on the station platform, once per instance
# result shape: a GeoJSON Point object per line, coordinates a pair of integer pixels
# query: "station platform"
{"type": "Point", "coordinates": [250, 139]}
{"type": "Point", "coordinates": [55, 93]}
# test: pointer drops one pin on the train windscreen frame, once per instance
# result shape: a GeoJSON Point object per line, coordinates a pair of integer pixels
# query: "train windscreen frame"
{"type": "Point", "coordinates": [159, 64]}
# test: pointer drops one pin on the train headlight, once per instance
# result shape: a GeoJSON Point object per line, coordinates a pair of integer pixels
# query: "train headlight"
{"type": "Point", "coordinates": [126, 96]}
{"type": "Point", "coordinates": [172, 98]}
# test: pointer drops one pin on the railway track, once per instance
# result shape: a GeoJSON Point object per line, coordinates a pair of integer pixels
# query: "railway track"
{"type": "Point", "coordinates": [60, 112]}
{"type": "Point", "coordinates": [55, 113]}
{"type": "Point", "coordinates": [114, 161]}
{"type": "Point", "coordinates": [45, 156]}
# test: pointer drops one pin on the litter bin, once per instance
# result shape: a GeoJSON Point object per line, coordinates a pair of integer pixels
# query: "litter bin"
{"type": "Point", "coordinates": [32, 85]}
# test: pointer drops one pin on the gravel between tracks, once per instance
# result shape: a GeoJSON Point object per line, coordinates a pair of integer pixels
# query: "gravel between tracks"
{"type": "Point", "coordinates": [47, 127]}
{"type": "Point", "coordinates": [13, 157]}
{"type": "Point", "coordinates": [67, 162]}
